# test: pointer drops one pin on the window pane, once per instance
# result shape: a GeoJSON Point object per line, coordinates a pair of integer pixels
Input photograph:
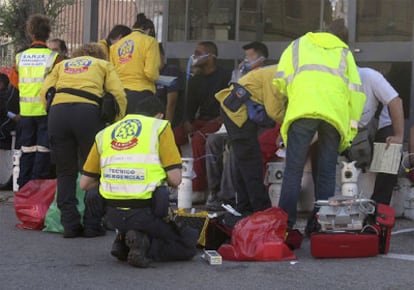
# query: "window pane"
{"type": "Point", "coordinates": [278, 20]}
{"type": "Point", "coordinates": [384, 20]}
{"type": "Point", "coordinates": [211, 20]}
{"type": "Point", "coordinates": [176, 20]}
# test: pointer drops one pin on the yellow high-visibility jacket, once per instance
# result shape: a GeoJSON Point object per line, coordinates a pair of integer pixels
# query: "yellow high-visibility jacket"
{"type": "Point", "coordinates": [33, 65]}
{"type": "Point", "coordinates": [129, 158]}
{"type": "Point", "coordinates": [318, 74]}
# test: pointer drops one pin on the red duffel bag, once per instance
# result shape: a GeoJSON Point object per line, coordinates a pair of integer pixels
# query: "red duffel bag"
{"type": "Point", "coordinates": [32, 201]}
{"type": "Point", "coordinates": [259, 237]}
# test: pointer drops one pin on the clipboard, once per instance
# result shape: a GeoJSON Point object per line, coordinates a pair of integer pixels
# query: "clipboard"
{"type": "Point", "coordinates": [386, 160]}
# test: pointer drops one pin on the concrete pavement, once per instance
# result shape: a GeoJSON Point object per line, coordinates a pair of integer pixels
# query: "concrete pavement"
{"type": "Point", "coordinates": [41, 260]}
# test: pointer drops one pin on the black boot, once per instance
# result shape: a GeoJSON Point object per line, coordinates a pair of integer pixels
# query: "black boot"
{"type": "Point", "coordinates": [119, 248]}
{"type": "Point", "coordinates": [312, 225]}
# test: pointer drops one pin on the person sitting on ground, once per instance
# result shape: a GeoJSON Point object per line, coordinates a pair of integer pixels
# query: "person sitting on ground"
{"type": "Point", "coordinates": [134, 161]}
{"type": "Point", "coordinates": [202, 111]}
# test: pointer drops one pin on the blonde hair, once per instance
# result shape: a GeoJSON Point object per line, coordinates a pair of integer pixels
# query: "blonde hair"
{"type": "Point", "coordinates": [90, 49]}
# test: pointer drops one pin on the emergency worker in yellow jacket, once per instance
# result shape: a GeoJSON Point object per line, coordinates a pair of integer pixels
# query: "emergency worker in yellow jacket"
{"type": "Point", "coordinates": [134, 160]}
{"type": "Point", "coordinates": [73, 122]}
{"type": "Point", "coordinates": [116, 33]}
{"type": "Point", "coordinates": [318, 74]}
{"type": "Point", "coordinates": [136, 58]}
{"type": "Point", "coordinates": [245, 106]}
{"type": "Point", "coordinates": [31, 67]}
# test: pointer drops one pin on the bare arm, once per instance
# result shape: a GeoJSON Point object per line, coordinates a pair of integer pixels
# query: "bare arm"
{"type": "Point", "coordinates": [87, 182]}
{"type": "Point", "coordinates": [171, 104]}
{"type": "Point", "coordinates": [397, 116]}
{"type": "Point", "coordinates": [174, 177]}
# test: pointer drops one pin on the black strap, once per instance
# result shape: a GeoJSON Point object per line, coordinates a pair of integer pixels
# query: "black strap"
{"type": "Point", "coordinates": [378, 111]}
{"type": "Point", "coordinates": [81, 93]}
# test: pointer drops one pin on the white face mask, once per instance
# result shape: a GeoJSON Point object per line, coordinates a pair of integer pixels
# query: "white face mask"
{"type": "Point", "coordinates": [195, 59]}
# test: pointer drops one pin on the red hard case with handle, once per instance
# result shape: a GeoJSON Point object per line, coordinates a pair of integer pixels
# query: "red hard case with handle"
{"type": "Point", "coordinates": [344, 245]}
{"type": "Point", "coordinates": [349, 244]}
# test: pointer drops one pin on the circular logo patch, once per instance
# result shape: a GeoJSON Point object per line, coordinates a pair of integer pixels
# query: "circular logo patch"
{"type": "Point", "coordinates": [125, 134]}
{"type": "Point", "coordinates": [76, 66]}
{"type": "Point", "coordinates": [125, 51]}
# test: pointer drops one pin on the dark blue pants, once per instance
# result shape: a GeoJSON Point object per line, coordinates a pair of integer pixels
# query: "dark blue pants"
{"type": "Point", "coordinates": [300, 135]}
{"type": "Point", "coordinates": [248, 175]}
{"type": "Point", "coordinates": [35, 159]}
{"type": "Point", "coordinates": [72, 130]}
{"type": "Point", "coordinates": [168, 243]}
{"type": "Point", "coordinates": [134, 98]}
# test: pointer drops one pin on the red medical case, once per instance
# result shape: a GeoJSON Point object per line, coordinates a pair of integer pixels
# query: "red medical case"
{"type": "Point", "coordinates": [344, 245]}
{"type": "Point", "coordinates": [351, 244]}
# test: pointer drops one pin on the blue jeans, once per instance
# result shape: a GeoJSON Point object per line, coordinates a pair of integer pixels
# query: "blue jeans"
{"type": "Point", "coordinates": [300, 135]}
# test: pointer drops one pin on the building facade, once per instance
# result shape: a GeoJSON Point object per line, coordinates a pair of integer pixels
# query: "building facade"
{"type": "Point", "coordinates": [381, 31]}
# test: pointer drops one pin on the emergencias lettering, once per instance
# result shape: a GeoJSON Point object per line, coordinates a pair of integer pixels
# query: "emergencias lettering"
{"type": "Point", "coordinates": [124, 174]}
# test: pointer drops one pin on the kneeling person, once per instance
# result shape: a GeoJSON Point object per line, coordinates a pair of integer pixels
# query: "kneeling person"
{"type": "Point", "coordinates": [133, 161]}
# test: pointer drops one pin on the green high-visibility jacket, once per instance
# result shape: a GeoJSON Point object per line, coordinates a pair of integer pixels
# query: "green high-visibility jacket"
{"type": "Point", "coordinates": [318, 74]}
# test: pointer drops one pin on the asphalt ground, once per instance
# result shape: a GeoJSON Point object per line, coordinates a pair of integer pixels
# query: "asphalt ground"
{"type": "Point", "coordinates": [42, 260]}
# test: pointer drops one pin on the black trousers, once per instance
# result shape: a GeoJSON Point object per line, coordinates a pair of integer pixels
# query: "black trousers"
{"type": "Point", "coordinates": [134, 98]}
{"type": "Point", "coordinates": [72, 130]}
{"type": "Point", "coordinates": [384, 183]}
{"type": "Point", "coordinates": [248, 175]}
{"type": "Point", "coordinates": [168, 242]}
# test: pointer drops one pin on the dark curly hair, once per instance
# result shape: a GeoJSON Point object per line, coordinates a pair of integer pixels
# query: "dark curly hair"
{"type": "Point", "coordinates": [38, 27]}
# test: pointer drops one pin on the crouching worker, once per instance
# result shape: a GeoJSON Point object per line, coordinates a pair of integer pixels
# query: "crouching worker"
{"type": "Point", "coordinates": [134, 161]}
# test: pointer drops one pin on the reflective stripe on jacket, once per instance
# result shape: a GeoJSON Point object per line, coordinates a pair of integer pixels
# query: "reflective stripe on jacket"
{"type": "Point", "coordinates": [33, 65]}
{"type": "Point", "coordinates": [318, 74]}
{"type": "Point", "coordinates": [129, 158]}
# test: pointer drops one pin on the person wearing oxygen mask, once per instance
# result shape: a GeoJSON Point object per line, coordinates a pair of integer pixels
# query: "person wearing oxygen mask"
{"type": "Point", "coordinates": [219, 160]}
{"type": "Point", "coordinates": [201, 114]}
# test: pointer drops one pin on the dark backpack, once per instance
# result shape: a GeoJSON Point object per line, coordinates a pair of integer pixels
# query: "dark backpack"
{"type": "Point", "coordinates": [362, 146]}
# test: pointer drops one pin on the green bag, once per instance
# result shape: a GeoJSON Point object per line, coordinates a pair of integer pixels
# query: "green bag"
{"type": "Point", "coordinates": [52, 219]}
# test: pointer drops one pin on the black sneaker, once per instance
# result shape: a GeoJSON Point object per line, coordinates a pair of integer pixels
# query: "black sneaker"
{"type": "Point", "coordinates": [94, 232]}
{"type": "Point", "coordinates": [214, 205]}
{"type": "Point", "coordinates": [312, 225]}
{"type": "Point", "coordinates": [73, 233]}
{"type": "Point", "coordinates": [119, 248]}
{"type": "Point", "coordinates": [138, 244]}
